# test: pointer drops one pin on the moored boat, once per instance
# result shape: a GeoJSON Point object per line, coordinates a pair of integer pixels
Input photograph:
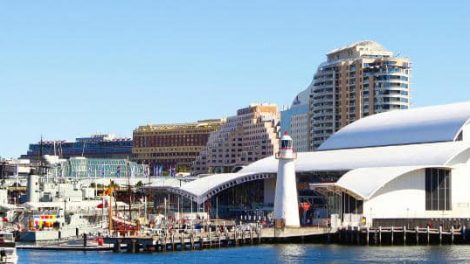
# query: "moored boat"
{"type": "Point", "coordinates": [8, 248]}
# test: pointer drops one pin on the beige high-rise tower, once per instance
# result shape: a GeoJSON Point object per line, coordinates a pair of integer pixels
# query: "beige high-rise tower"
{"type": "Point", "coordinates": [356, 81]}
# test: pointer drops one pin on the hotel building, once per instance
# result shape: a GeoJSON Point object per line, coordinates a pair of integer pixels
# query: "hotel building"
{"type": "Point", "coordinates": [247, 137]}
{"type": "Point", "coordinates": [356, 81]}
{"type": "Point", "coordinates": [168, 146]}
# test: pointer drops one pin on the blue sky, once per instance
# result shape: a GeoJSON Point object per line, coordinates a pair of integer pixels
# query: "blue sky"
{"type": "Point", "coordinates": [73, 68]}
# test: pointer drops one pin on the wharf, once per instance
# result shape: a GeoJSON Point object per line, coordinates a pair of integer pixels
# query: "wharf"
{"type": "Point", "coordinates": [65, 247]}
{"type": "Point", "coordinates": [400, 235]}
{"type": "Point", "coordinates": [202, 240]}
{"type": "Point", "coordinates": [272, 233]}
{"type": "Point", "coordinates": [197, 240]}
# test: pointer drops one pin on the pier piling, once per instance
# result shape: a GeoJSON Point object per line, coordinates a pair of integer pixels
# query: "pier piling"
{"type": "Point", "coordinates": [417, 235]}
{"type": "Point", "coordinates": [380, 235]}
{"type": "Point", "coordinates": [452, 235]}
{"type": "Point", "coordinates": [440, 234]}
{"type": "Point", "coordinates": [367, 235]}
{"type": "Point", "coordinates": [427, 235]}
{"type": "Point", "coordinates": [404, 235]}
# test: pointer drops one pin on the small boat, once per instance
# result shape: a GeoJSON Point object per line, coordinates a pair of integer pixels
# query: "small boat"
{"type": "Point", "coordinates": [8, 248]}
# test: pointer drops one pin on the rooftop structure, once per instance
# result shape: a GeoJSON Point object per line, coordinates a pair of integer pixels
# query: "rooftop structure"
{"type": "Point", "coordinates": [365, 48]}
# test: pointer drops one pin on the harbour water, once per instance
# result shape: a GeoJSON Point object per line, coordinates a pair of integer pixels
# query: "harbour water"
{"type": "Point", "coordinates": [283, 253]}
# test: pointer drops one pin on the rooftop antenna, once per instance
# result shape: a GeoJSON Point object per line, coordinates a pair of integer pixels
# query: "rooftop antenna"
{"type": "Point", "coordinates": [60, 150]}
{"type": "Point", "coordinates": [41, 145]}
{"type": "Point", "coordinates": [40, 149]}
{"type": "Point", "coordinates": [55, 151]}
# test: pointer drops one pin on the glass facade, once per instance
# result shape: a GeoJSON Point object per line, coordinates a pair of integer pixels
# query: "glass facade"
{"type": "Point", "coordinates": [438, 189]}
{"type": "Point", "coordinates": [99, 168]}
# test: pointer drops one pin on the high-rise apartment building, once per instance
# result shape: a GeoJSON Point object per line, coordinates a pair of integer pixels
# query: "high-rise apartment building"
{"type": "Point", "coordinates": [247, 137]}
{"type": "Point", "coordinates": [168, 147]}
{"type": "Point", "coordinates": [356, 81]}
{"type": "Point", "coordinates": [296, 121]}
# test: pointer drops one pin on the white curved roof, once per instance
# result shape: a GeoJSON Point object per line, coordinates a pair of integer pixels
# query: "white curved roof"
{"type": "Point", "coordinates": [204, 188]}
{"type": "Point", "coordinates": [376, 178]}
{"type": "Point", "coordinates": [419, 125]}
{"type": "Point", "coordinates": [349, 159]}
{"type": "Point", "coordinates": [202, 185]}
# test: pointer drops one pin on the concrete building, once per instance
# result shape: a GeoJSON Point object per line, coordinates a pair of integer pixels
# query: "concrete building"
{"type": "Point", "coordinates": [397, 168]}
{"type": "Point", "coordinates": [247, 137]}
{"type": "Point", "coordinates": [296, 121]}
{"type": "Point", "coordinates": [356, 81]}
{"type": "Point", "coordinates": [172, 147]}
{"type": "Point", "coordinates": [96, 146]}
{"type": "Point", "coordinates": [14, 168]}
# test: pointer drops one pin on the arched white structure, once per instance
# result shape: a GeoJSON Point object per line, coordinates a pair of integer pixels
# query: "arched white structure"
{"type": "Point", "coordinates": [420, 125]}
{"type": "Point", "coordinates": [204, 188]}
{"type": "Point", "coordinates": [365, 182]}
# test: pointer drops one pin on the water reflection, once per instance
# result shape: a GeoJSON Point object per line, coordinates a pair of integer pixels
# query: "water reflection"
{"type": "Point", "coordinates": [291, 253]}
{"type": "Point", "coordinates": [284, 253]}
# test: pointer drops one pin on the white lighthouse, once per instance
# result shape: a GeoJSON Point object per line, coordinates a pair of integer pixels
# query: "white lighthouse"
{"type": "Point", "coordinates": [286, 210]}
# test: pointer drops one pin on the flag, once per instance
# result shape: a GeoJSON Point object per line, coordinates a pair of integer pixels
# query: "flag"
{"type": "Point", "coordinates": [160, 170]}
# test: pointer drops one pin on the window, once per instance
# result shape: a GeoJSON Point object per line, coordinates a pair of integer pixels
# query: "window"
{"type": "Point", "coordinates": [286, 144]}
{"type": "Point", "coordinates": [351, 205]}
{"type": "Point", "coordinates": [437, 189]}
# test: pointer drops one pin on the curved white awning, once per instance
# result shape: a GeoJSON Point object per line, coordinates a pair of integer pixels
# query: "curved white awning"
{"type": "Point", "coordinates": [204, 188]}
{"type": "Point", "coordinates": [365, 182]}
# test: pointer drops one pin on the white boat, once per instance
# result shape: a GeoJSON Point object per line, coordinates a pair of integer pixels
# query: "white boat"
{"type": "Point", "coordinates": [8, 248]}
